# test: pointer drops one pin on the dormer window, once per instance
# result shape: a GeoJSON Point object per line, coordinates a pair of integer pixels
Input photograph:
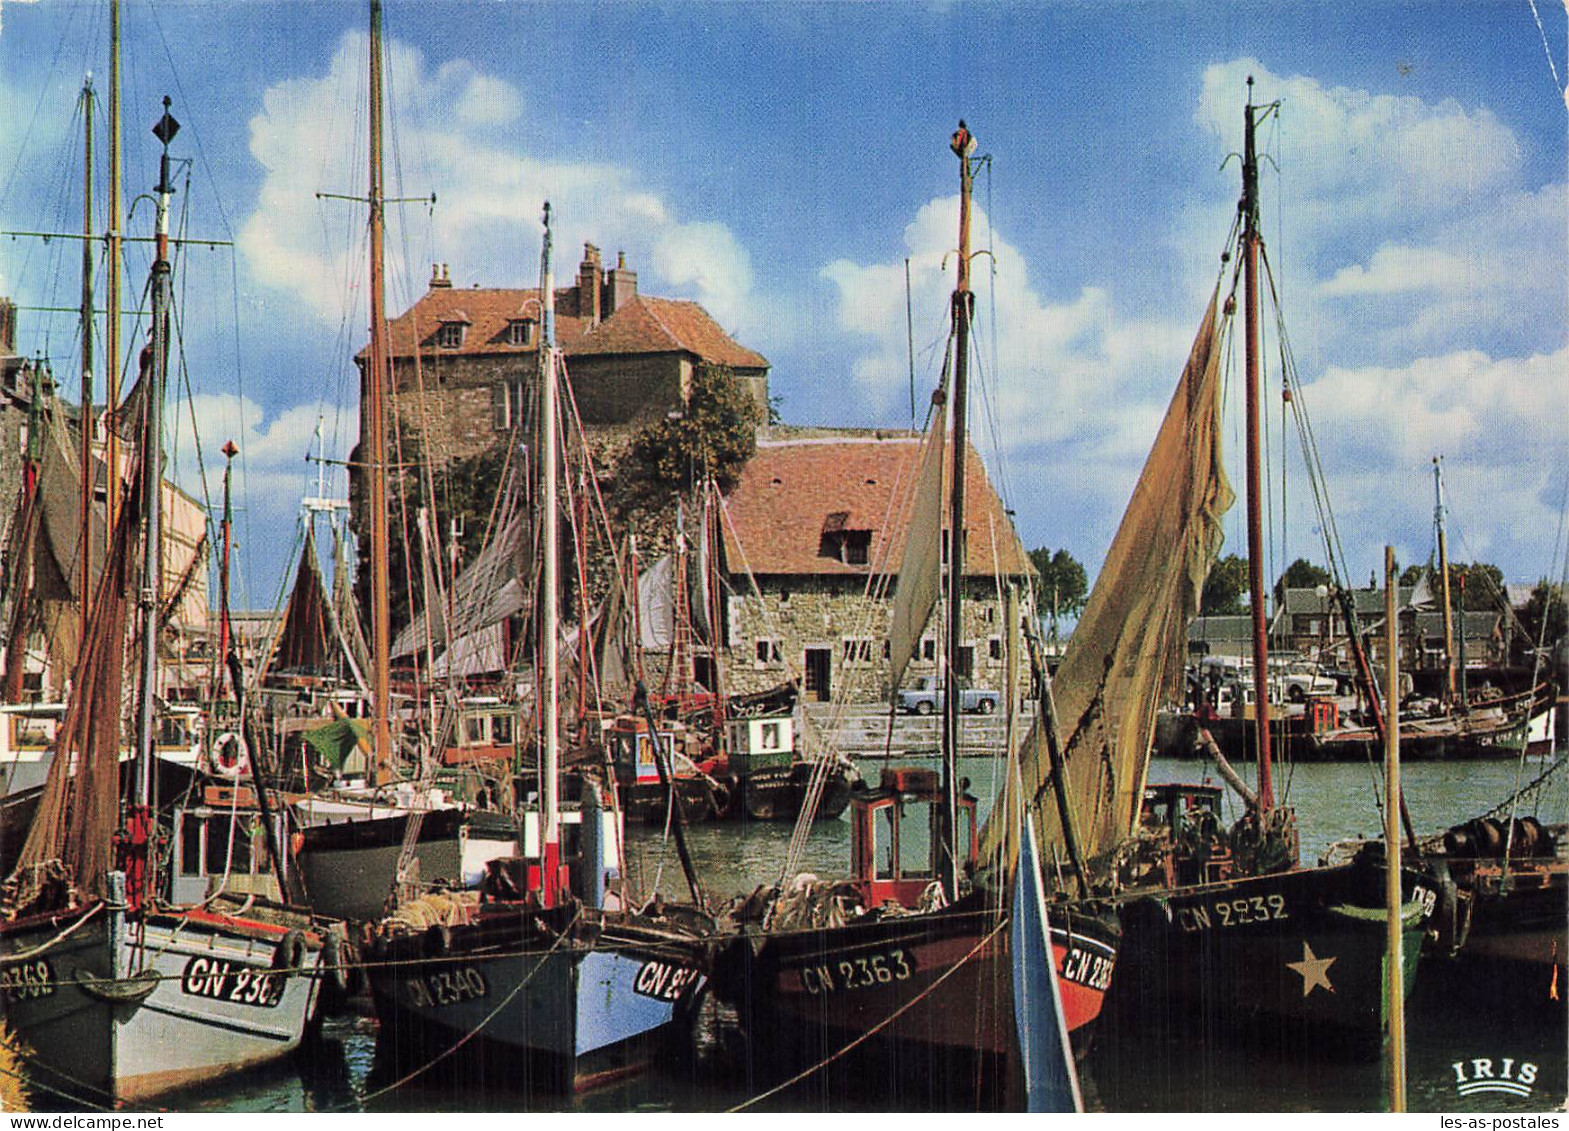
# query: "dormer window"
{"type": "Point", "coordinates": [450, 336]}
{"type": "Point", "coordinates": [838, 540]}
{"type": "Point", "coordinates": [520, 332]}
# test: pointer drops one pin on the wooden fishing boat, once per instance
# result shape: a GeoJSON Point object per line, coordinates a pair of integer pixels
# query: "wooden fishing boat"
{"type": "Point", "coordinates": [903, 980]}
{"type": "Point", "coordinates": [117, 993]}
{"type": "Point", "coordinates": [548, 977]}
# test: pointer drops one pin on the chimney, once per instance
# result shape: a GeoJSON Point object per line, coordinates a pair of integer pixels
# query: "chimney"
{"type": "Point", "coordinates": [590, 274]}
{"type": "Point", "coordinates": [439, 277]}
{"type": "Point", "coordinates": [623, 285]}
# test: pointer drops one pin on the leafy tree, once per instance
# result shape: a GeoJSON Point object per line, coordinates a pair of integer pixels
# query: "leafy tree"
{"type": "Point", "coordinates": [716, 430]}
{"type": "Point", "coordinates": [1225, 587]}
{"type": "Point", "coordinates": [1061, 579]}
{"type": "Point", "coordinates": [1484, 586]}
{"type": "Point", "coordinates": [1412, 574]}
{"type": "Point", "coordinates": [1546, 603]}
{"type": "Point", "coordinates": [1301, 574]}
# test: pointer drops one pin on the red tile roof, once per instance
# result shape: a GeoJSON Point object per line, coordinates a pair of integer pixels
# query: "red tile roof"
{"type": "Point", "coordinates": [644, 325]}
{"type": "Point", "coordinates": [793, 491]}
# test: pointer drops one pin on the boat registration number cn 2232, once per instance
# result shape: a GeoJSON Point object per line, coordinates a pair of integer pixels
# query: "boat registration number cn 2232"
{"type": "Point", "coordinates": [1240, 912]}
{"type": "Point", "coordinates": [27, 980]}
{"type": "Point", "coordinates": [441, 988]}
{"type": "Point", "coordinates": [857, 973]}
{"type": "Point", "coordinates": [222, 980]}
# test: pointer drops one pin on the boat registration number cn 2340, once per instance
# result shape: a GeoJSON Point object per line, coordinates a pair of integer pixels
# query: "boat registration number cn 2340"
{"type": "Point", "coordinates": [222, 980]}
{"type": "Point", "coordinates": [859, 972]}
{"type": "Point", "coordinates": [445, 987]}
{"type": "Point", "coordinates": [27, 980]}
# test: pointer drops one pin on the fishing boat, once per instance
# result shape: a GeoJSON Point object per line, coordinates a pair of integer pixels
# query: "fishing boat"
{"type": "Point", "coordinates": [549, 978]}
{"type": "Point", "coordinates": [903, 976]}
{"type": "Point", "coordinates": [1224, 934]}
{"type": "Point", "coordinates": [117, 993]}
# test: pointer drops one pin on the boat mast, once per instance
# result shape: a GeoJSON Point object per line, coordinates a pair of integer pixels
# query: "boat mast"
{"type": "Point", "coordinates": [1251, 241]}
{"type": "Point", "coordinates": [376, 432]}
{"type": "Point", "coordinates": [152, 473]}
{"type": "Point", "coordinates": [85, 419]}
{"type": "Point", "coordinates": [1443, 572]}
{"type": "Point", "coordinates": [112, 485]}
{"type": "Point", "coordinates": [963, 145]}
{"type": "Point", "coordinates": [549, 614]}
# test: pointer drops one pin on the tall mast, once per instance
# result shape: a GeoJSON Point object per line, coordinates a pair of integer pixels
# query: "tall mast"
{"type": "Point", "coordinates": [1443, 572]}
{"type": "Point", "coordinates": [152, 473]}
{"type": "Point", "coordinates": [112, 253]}
{"type": "Point", "coordinates": [963, 145]}
{"type": "Point", "coordinates": [224, 625]}
{"type": "Point", "coordinates": [376, 381]}
{"type": "Point", "coordinates": [1250, 250]}
{"type": "Point", "coordinates": [549, 614]}
{"type": "Point", "coordinates": [85, 420]}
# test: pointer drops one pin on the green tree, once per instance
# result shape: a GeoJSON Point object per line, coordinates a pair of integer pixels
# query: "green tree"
{"type": "Point", "coordinates": [1301, 574]}
{"type": "Point", "coordinates": [1225, 587]}
{"type": "Point", "coordinates": [1484, 586]}
{"type": "Point", "coordinates": [1060, 578]}
{"type": "Point", "coordinates": [1546, 604]}
{"type": "Point", "coordinates": [715, 430]}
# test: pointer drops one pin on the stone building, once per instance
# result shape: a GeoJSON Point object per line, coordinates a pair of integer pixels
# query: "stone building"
{"type": "Point", "coordinates": [818, 520]}
{"type": "Point", "coordinates": [464, 360]}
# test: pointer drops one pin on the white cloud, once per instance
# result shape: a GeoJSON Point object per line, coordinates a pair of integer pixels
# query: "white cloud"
{"type": "Point", "coordinates": [489, 188]}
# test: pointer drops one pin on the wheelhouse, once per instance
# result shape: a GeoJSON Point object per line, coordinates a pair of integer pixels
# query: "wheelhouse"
{"type": "Point", "coordinates": [221, 844]}
{"type": "Point", "coordinates": [487, 730]}
{"type": "Point", "coordinates": [894, 839]}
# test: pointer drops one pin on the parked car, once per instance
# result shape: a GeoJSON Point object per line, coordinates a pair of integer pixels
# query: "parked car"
{"type": "Point", "coordinates": [927, 697]}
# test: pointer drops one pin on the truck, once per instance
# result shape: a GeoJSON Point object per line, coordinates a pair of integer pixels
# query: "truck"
{"type": "Point", "coordinates": [927, 698]}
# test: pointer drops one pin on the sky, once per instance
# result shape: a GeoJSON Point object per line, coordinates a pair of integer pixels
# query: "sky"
{"type": "Point", "coordinates": [781, 162]}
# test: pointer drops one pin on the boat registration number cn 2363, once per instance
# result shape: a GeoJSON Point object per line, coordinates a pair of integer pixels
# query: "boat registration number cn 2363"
{"type": "Point", "coordinates": [222, 980]}
{"type": "Point", "coordinates": [859, 972]}
{"type": "Point", "coordinates": [27, 980]}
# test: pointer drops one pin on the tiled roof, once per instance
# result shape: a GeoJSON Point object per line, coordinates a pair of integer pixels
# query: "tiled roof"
{"type": "Point", "coordinates": [643, 326]}
{"type": "Point", "coordinates": [794, 491]}
{"type": "Point", "coordinates": [663, 325]}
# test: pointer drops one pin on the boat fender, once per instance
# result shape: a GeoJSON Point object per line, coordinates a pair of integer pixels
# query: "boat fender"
{"type": "Point", "coordinates": [230, 758]}
{"type": "Point", "coordinates": [343, 966]}
{"type": "Point", "coordinates": [290, 951]}
{"type": "Point", "coordinates": [438, 941]}
{"type": "Point", "coordinates": [1446, 915]}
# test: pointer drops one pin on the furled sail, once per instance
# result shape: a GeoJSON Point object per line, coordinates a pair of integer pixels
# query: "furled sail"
{"type": "Point", "coordinates": [1130, 642]}
{"type": "Point", "coordinates": [490, 589]}
{"type": "Point", "coordinates": [919, 573]}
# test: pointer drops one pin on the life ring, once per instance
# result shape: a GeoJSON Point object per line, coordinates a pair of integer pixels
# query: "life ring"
{"type": "Point", "coordinates": [230, 758]}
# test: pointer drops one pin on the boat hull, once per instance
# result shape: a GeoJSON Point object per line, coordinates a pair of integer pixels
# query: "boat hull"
{"type": "Point", "coordinates": [778, 793]}
{"type": "Point", "coordinates": [213, 999]}
{"type": "Point", "coordinates": [1293, 959]}
{"type": "Point", "coordinates": [546, 1004]}
{"type": "Point", "coordinates": [350, 867]}
{"type": "Point", "coordinates": [919, 1006]}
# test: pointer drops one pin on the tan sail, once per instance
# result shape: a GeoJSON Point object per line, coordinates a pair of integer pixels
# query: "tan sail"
{"type": "Point", "coordinates": [1129, 645]}
{"type": "Point", "coordinates": [919, 571]}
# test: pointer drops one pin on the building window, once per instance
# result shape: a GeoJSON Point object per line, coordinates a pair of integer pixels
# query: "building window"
{"type": "Point", "coordinates": [501, 407]}
{"type": "Point", "coordinates": [520, 332]}
{"type": "Point", "coordinates": [450, 336]}
{"type": "Point", "coordinates": [994, 647]}
{"type": "Point", "coordinates": [784, 596]}
{"type": "Point", "coordinates": [929, 650]}
{"type": "Point", "coordinates": [966, 663]}
{"type": "Point", "coordinates": [857, 650]}
{"type": "Point", "coordinates": [768, 651]}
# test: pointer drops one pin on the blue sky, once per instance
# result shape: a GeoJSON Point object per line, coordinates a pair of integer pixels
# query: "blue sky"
{"type": "Point", "coordinates": [779, 161]}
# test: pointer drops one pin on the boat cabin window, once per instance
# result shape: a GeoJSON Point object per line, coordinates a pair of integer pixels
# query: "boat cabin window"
{"type": "Point", "coordinates": [501, 730]}
{"type": "Point", "coordinates": [883, 843]}
{"type": "Point", "coordinates": [916, 839]}
{"type": "Point", "coordinates": [474, 730]}
{"type": "Point", "coordinates": [191, 845]}
{"type": "Point", "coordinates": [172, 731]}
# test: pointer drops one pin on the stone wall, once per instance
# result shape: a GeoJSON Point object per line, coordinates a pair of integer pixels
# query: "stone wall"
{"type": "Point", "coordinates": [801, 613]}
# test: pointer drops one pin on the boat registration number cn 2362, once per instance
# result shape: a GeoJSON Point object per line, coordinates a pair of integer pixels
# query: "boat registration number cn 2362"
{"type": "Point", "coordinates": [222, 980]}
{"type": "Point", "coordinates": [859, 972]}
{"type": "Point", "coordinates": [445, 987]}
{"type": "Point", "coordinates": [27, 980]}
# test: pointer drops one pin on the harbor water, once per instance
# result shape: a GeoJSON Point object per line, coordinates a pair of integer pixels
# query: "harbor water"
{"type": "Point", "coordinates": [339, 1072]}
